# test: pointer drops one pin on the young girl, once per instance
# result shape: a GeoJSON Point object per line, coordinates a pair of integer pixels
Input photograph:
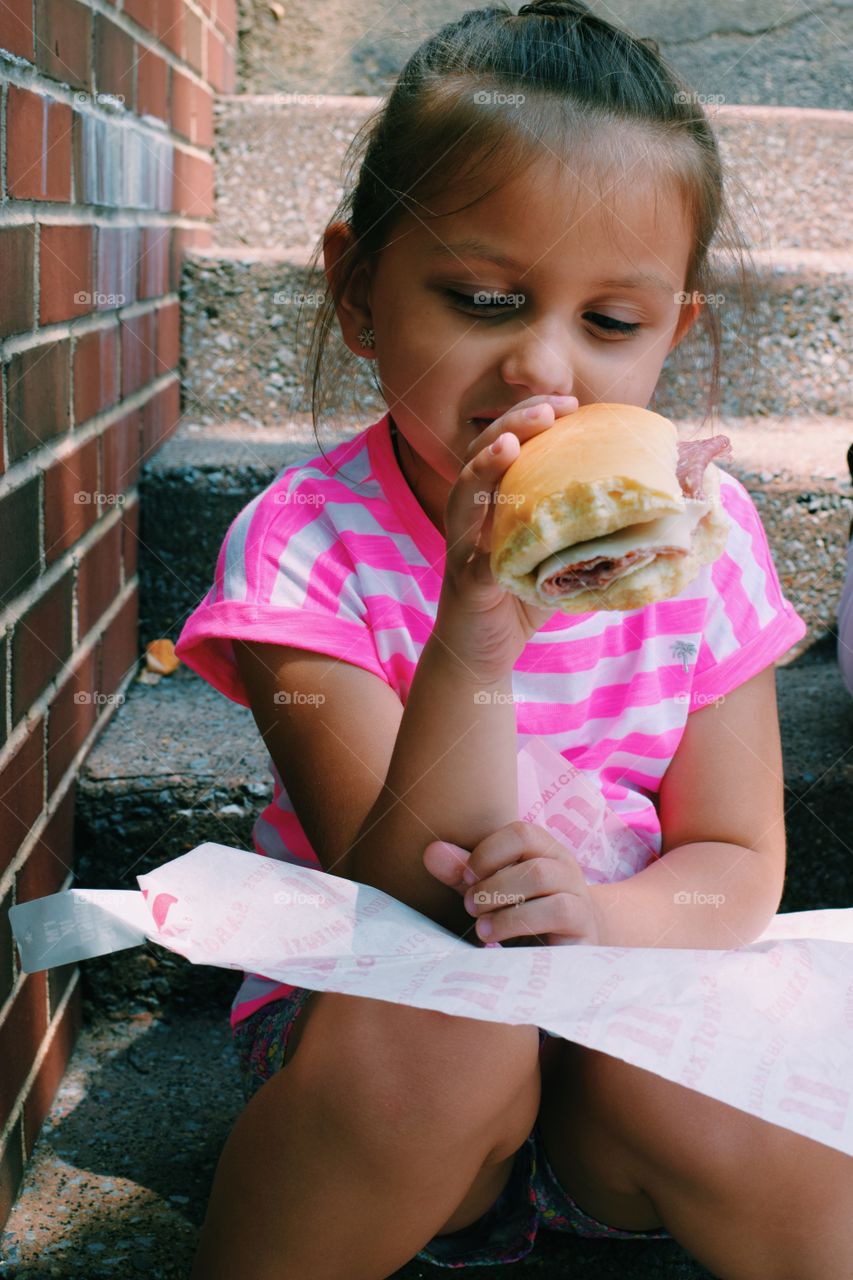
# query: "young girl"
{"type": "Point", "coordinates": [535, 202]}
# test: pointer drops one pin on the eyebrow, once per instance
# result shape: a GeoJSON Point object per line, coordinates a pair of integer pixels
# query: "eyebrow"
{"type": "Point", "coordinates": [477, 249]}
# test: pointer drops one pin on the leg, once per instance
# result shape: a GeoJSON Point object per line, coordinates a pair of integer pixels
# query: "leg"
{"type": "Point", "coordinates": [748, 1199]}
{"type": "Point", "coordinates": [388, 1125]}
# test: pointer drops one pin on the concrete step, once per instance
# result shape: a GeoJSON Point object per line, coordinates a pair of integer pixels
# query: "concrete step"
{"type": "Point", "coordinates": [787, 169]}
{"type": "Point", "coordinates": [247, 316]}
{"type": "Point", "coordinates": [796, 54]}
{"type": "Point", "coordinates": [192, 489]}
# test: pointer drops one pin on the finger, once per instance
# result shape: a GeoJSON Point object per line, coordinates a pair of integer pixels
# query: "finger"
{"type": "Point", "coordinates": [515, 842]}
{"type": "Point", "coordinates": [470, 498]}
{"type": "Point", "coordinates": [556, 917]}
{"type": "Point", "coordinates": [524, 420]}
{"type": "Point", "coordinates": [447, 862]}
{"type": "Point", "coordinates": [516, 885]}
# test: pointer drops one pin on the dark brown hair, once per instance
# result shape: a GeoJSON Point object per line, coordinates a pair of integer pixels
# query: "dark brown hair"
{"type": "Point", "coordinates": [579, 74]}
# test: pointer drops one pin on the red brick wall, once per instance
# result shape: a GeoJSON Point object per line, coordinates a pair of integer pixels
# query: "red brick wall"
{"type": "Point", "coordinates": [106, 111]}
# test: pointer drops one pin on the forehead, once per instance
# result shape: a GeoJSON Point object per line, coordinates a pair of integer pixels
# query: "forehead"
{"type": "Point", "coordinates": [562, 209]}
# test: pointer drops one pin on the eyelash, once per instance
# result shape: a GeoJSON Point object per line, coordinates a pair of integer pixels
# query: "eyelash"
{"type": "Point", "coordinates": [464, 299]}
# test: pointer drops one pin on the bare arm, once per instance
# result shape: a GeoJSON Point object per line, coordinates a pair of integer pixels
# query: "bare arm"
{"type": "Point", "coordinates": [452, 776]}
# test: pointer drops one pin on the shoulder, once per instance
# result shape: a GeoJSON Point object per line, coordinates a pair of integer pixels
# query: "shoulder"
{"type": "Point", "coordinates": [747, 561]}
{"type": "Point", "coordinates": [304, 507]}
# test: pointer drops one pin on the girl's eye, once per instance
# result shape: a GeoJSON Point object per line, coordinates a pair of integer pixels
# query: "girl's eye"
{"type": "Point", "coordinates": [486, 300]}
{"type": "Point", "coordinates": [491, 301]}
{"type": "Point", "coordinates": [610, 324]}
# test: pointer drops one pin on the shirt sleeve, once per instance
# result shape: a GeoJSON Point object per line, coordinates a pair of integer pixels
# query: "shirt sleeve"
{"type": "Point", "coordinates": [749, 624]}
{"type": "Point", "coordinates": [283, 576]}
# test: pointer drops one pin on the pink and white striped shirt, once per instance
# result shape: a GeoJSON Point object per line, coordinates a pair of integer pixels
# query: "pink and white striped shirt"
{"type": "Point", "coordinates": [337, 556]}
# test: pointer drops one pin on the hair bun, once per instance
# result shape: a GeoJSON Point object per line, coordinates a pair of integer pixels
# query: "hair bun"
{"type": "Point", "coordinates": [556, 9]}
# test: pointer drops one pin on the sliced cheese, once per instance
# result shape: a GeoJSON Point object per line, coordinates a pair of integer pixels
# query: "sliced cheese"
{"type": "Point", "coordinates": [674, 530]}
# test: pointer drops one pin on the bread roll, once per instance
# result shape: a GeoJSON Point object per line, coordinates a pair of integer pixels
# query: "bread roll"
{"type": "Point", "coordinates": [604, 469]}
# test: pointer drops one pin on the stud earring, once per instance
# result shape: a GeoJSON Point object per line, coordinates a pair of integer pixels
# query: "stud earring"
{"type": "Point", "coordinates": [367, 337]}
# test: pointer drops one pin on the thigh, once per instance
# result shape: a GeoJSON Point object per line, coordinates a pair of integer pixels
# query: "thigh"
{"type": "Point", "coordinates": [415, 1067]}
{"type": "Point", "coordinates": [591, 1152]}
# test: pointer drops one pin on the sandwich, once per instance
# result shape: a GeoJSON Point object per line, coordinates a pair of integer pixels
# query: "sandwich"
{"type": "Point", "coordinates": [606, 509]}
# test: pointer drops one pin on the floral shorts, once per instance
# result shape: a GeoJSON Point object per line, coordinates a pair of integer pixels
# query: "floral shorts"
{"type": "Point", "coordinates": [532, 1198]}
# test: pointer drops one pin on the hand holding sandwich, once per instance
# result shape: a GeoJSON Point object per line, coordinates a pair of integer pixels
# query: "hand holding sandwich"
{"type": "Point", "coordinates": [485, 626]}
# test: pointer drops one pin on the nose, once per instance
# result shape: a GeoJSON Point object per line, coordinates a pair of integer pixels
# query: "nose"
{"type": "Point", "coordinates": [539, 360]}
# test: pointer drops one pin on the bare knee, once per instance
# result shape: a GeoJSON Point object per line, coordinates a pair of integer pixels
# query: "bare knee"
{"type": "Point", "coordinates": [414, 1071]}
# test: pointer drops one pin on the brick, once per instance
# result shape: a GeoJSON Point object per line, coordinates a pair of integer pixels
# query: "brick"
{"type": "Point", "coordinates": [19, 538]}
{"type": "Point", "coordinates": [38, 147]}
{"type": "Point", "coordinates": [114, 60]}
{"type": "Point", "coordinates": [59, 979]}
{"type": "Point", "coordinates": [37, 405]}
{"type": "Point", "coordinates": [138, 352]}
{"type": "Point", "coordinates": [193, 189]}
{"type": "Point", "coordinates": [120, 645]}
{"type": "Point", "coordinates": [130, 539]}
{"type": "Point", "coordinates": [115, 273]}
{"type": "Point", "coordinates": [153, 262]}
{"type": "Point", "coordinates": [70, 719]}
{"type": "Point", "coordinates": [21, 1034]}
{"type": "Point", "coordinates": [152, 84]}
{"type": "Point", "coordinates": [41, 644]}
{"type": "Point", "coordinates": [52, 856]}
{"type": "Point", "coordinates": [21, 794]}
{"type": "Point", "coordinates": [17, 255]}
{"type": "Point", "coordinates": [226, 19]}
{"type": "Point", "coordinates": [95, 373]}
{"type": "Point", "coordinates": [11, 1168]}
{"type": "Point", "coordinates": [100, 150]}
{"type": "Point", "coordinates": [16, 36]}
{"type": "Point", "coordinates": [193, 40]}
{"type": "Point", "coordinates": [65, 269]}
{"type": "Point", "coordinates": [64, 45]}
{"type": "Point", "coordinates": [70, 498]}
{"type": "Point", "coordinates": [143, 12]}
{"type": "Point", "coordinates": [120, 447]}
{"type": "Point", "coordinates": [98, 579]}
{"type": "Point", "coordinates": [171, 18]}
{"type": "Point", "coordinates": [160, 417]}
{"type": "Point", "coordinates": [192, 110]}
{"type": "Point", "coordinates": [217, 70]}
{"type": "Point", "coordinates": [168, 337]}
{"type": "Point", "coordinates": [38, 1101]}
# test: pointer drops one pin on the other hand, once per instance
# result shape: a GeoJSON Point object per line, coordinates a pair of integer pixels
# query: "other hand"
{"type": "Point", "coordinates": [526, 885]}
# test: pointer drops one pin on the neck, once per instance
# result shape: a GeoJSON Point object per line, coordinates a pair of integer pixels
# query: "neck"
{"type": "Point", "coordinates": [408, 462]}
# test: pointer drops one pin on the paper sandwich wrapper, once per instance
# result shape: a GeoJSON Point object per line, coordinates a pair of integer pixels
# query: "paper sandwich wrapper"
{"type": "Point", "coordinates": [766, 1028]}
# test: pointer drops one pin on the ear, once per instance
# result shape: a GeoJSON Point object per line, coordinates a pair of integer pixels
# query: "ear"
{"type": "Point", "coordinates": [687, 318]}
{"type": "Point", "coordinates": [353, 305]}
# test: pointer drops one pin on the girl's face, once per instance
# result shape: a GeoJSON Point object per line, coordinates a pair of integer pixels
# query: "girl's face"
{"type": "Point", "coordinates": [558, 297]}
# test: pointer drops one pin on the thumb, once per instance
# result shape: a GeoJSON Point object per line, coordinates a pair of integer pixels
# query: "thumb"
{"type": "Point", "coordinates": [446, 862]}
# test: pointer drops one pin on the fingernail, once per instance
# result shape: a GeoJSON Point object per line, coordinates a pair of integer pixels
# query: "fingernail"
{"type": "Point", "coordinates": [484, 927]}
{"type": "Point", "coordinates": [468, 876]}
{"type": "Point", "coordinates": [496, 445]}
{"type": "Point", "coordinates": [535, 412]}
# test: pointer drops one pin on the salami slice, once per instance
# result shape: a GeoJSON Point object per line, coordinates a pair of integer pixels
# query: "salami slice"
{"type": "Point", "coordinates": [693, 458]}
